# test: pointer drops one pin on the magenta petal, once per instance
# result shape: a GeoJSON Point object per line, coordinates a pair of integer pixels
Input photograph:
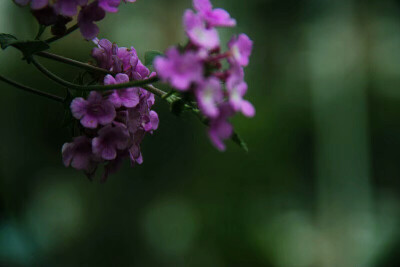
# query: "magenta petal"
{"type": "Point", "coordinates": [202, 5]}
{"type": "Point", "coordinates": [154, 119]}
{"type": "Point", "coordinates": [216, 140]}
{"type": "Point", "coordinates": [67, 153]}
{"type": "Point", "coordinates": [220, 128]}
{"type": "Point", "coordinates": [240, 49]}
{"type": "Point", "coordinates": [220, 18]}
{"type": "Point", "coordinates": [209, 94]}
{"type": "Point", "coordinates": [198, 33]}
{"type": "Point", "coordinates": [109, 153]}
{"type": "Point", "coordinates": [109, 140]}
{"type": "Point", "coordinates": [89, 122]}
{"type": "Point", "coordinates": [86, 18]}
{"type": "Point", "coordinates": [67, 8]}
{"type": "Point", "coordinates": [78, 154]}
{"type": "Point", "coordinates": [121, 78]}
{"type": "Point", "coordinates": [181, 70]}
{"type": "Point", "coordinates": [139, 159]}
{"type": "Point", "coordinates": [88, 29]}
{"type": "Point", "coordinates": [109, 79]}
{"type": "Point", "coordinates": [78, 107]}
{"type": "Point", "coordinates": [248, 109]}
{"type": "Point", "coordinates": [109, 5]}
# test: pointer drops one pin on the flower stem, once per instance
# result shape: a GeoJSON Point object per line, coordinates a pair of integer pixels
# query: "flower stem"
{"type": "Point", "coordinates": [55, 38]}
{"type": "Point", "coordinates": [89, 67]}
{"type": "Point", "coordinates": [41, 30]}
{"type": "Point", "coordinates": [73, 62]}
{"type": "Point", "coordinates": [31, 90]}
{"type": "Point", "coordinates": [139, 83]}
{"type": "Point", "coordinates": [154, 90]}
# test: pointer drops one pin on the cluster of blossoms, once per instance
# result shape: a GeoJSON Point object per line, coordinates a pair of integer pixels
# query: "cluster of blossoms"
{"type": "Point", "coordinates": [113, 124]}
{"type": "Point", "coordinates": [59, 12]}
{"type": "Point", "coordinates": [197, 68]}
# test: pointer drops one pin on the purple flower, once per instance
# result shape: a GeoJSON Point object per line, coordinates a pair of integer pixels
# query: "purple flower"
{"type": "Point", "coordinates": [93, 111]}
{"type": "Point", "coordinates": [151, 121]}
{"type": "Point", "coordinates": [135, 154]}
{"type": "Point", "coordinates": [128, 58]}
{"type": "Point", "coordinates": [220, 129]}
{"type": "Point", "coordinates": [86, 18]}
{"type": "Point", "coordinates": [112, 5]}
{"type": "Point", "coordinates": [240, 49]}
{"type": "Point", "coordinates": [125, 97]}
{"type": "Point", "coordinates": [134, 151]}
{"type": "Point", "coordinates": [215, 18]}
{"type": "Point", "coordinates": [179, 70]}
{"type": "Point", "coordinates": [103, 53]}
{"type": "Point", "coordinates": [119, 59]}
{"type": "Point", "coordinates": [69, 8]}
{"type": "Point", "coordinates": [237, 88]}
{"type": "Point", "coordinates": [141, 117]}
{"type": "Point", "coordinates": [110, 140]}
{"type": "Point", "coordinates": [109, 5]}
{"type": "Point", "coordinates": [209, 94]}
{"type": "Point", "coordinates": [78, 154]}
{"type": "Point", "coordinates": [140, 71]}
{"type": "Point", "coordinates": [35, 4]}
{"type": "Point", "coordinates": [198, 32]}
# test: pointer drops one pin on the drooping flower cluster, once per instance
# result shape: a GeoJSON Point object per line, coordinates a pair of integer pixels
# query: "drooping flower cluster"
{"type": "Point", "coordinates": [60, 12]}
{"type": "Point", "coordinates": [113, 124]}
{"type": "Point", "coordinates": [198, 69]}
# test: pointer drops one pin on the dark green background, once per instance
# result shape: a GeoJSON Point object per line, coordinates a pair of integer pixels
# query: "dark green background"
{"type": "Point", "coordinates": [319, 187]}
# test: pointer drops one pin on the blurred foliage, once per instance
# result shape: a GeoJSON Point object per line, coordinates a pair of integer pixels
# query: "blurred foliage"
{"type": "Point", "coordinates": [319, 186]}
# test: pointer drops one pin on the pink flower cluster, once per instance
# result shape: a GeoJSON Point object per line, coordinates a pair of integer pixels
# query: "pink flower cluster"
{"type": "Point", "coordinates": [60, 12]}
{"type": "Point", "coordinates": [198, 69]}
{"type": "Point", "coordinates": [113, 124]}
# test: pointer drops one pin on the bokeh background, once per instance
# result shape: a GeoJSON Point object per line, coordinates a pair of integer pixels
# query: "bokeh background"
{"type": "Point", "coordinates": [319, 187]}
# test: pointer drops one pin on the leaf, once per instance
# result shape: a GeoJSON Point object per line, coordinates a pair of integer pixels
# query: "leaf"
{"type": "Point", "coordinates": [150, 56]}
{"type": "Point", "coordinates": [169, 94]}
{"type": "Point", "coordinates": [177, 107]}
{"type": "Point", "coordinates": [28, 48]}
{"type": "Point", "coordinates": [239, 141]}
{"type": "Point", "coordinates": [6, 40]}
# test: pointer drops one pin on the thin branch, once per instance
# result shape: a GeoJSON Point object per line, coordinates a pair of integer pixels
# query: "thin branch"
{"type": "Point", "coordinates": [31, 90]}
{"type": "Point", "coordinates": [154, 90]}
{"type": "Point", "coordinates": [89, 67]}
{"type": "Point", "coordinates": [41, 30]}
{"type": "Point", "coordinates": [139, 83]}
{"type": "Point", "coordinates": [55, 38]}
{"type": "Point", "coordinates": [73, 62]}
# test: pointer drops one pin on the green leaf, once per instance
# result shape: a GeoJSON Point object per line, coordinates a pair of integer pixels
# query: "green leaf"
{"type": "Point", "coordinates": [177, 107]}
{"type": "Point", "coordinates": [239, 141]}
{"type": "Point", "coordinates": [6, 40]}
{"type": "Point", "coordinates": [150, 56]}
{"type": "Point", "coordinates": [28, 48]}
{"type": "Point", "coordinates": [169, 94]}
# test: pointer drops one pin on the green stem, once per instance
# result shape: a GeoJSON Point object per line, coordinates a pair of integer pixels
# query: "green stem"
{"type": "Point", "coordinates": [72, 62]}
{"type": "Point", "coordinates": [55, 38]}
{"type": "Point", "coordinates": [154, 90]}
{"type": "Point", "coordinates": [70, 85]}
{"type": "Point", "coordinates": [41, 30]}
{"type": "Point", "coordinates": [31, 90]}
